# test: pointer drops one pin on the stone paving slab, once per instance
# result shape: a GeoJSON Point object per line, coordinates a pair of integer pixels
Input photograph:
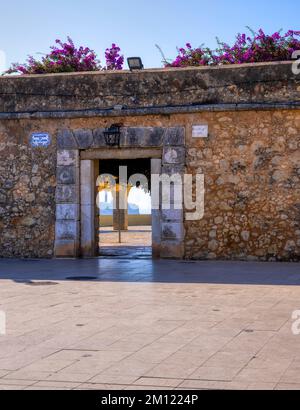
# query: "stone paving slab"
{"type": "Point", "coordinates": [148, 325]}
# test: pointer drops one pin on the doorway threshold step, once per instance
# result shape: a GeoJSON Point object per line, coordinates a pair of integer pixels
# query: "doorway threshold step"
{"type": "Point", "coordinates": [126, 252]}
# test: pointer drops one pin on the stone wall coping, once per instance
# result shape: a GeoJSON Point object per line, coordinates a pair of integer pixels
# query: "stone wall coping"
{"type": "Point", "coordinates": [148, 70]}
{"type": "Point", "coordinates": [146, 92]}
{"type": "Point", "coordinates": [144, 111]}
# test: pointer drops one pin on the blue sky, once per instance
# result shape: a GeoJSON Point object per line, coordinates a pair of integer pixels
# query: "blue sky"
{"type": "Point", "coordinates": [32, 26]}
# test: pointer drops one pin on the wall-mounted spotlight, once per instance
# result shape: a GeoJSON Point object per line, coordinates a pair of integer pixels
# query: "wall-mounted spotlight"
{"type": "Point", "coordinates": [135, 63]}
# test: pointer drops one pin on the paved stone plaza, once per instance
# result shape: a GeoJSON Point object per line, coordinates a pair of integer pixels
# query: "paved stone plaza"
{"type": "Point", "coordinates": [134, 236]}
{"type": "Point", "coordinates": [135, 243]}
{"type": "Point", "coordinates": [144, 324]}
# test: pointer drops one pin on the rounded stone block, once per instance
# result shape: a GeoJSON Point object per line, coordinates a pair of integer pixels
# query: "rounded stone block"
{"type": "Point", "coordinates": [172, 215]}
{"type": "Point", "coordinates": [174, 136]}
{"type": "Point", "coordinates": [142, 137]}
{"type": "Point", "coordinates": [66, 230]}
{"type": "Point", "coordinates": [66, 175]}
{"type": "Point", "coordinates": [67, 194]}
{"type": "Point", "coordinates": [99, 138]}
{"type": "Point", "coordinates": [174, 155]}
{"type": "Point", "coordinates": [66, 140]}
{"type": "Point", "coordinates": [171, 169]}
{"type": "Point", "coordinates": [68, 158]}
{"type": "Point", "coordinates": [67, 212]}
{"type": "Point", "coordinates": [84, 138]}
{"type": "Point", "coordinates": [171, 250]}
{"type": "Point", "coordinates": [65, 249]}
{"type": "Point", "coordinates": [172, 231]}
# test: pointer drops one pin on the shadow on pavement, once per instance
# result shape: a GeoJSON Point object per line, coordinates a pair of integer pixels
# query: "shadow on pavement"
{"type": "Point", "coordinates": [149, 271]}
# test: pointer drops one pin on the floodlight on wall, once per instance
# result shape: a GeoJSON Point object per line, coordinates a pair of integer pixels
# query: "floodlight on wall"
{"type": "Point", "coordinates": [112, 135]}
{"type": "Point", "coordinates": [135, 63]}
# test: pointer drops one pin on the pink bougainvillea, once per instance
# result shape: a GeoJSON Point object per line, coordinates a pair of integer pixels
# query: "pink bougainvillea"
{"type": "Point", "coordinates": [258, 47]}
{"type": "Point", "coordinates": [66, 57]}
{"type": "Point", "coordinates": [114, 60]}
{"type": "Point", "coordinates": [253, 48]}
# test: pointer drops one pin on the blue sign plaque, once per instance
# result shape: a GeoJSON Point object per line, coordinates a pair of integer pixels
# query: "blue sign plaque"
{"type": "Point", "coordinates": [40, 140]}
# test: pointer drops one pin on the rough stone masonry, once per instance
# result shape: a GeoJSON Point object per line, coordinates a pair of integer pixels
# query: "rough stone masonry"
{"type": "Point", "coordinates": [250, 158]}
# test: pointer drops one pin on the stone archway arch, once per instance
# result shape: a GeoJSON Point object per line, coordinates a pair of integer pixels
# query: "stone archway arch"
{"type": "Point", "coordinates": [77, 166]}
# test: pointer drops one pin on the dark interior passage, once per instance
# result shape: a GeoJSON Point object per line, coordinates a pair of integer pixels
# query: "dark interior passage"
{"type": "Point", "coordinates": [126, 233]}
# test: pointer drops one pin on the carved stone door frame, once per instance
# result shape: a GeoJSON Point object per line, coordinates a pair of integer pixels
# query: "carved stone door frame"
{"type": "Point", "coordinates": [78, 155]}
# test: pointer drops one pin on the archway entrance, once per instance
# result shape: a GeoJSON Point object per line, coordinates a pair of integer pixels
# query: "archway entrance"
{"type": "Point", "coordinates": [80, 153]}
{"type": "Point", "coordinates": [125, 231]}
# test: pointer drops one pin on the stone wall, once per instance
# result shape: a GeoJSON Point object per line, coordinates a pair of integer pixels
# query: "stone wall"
{"type": "Point", "coordinates": [250, 159]}
{"type": "Point", "coordinates": [251, 163]}
{"type": "Point", "coordinates": [27, 193]}
{"type": "Point", "coordinates": [258, 83]}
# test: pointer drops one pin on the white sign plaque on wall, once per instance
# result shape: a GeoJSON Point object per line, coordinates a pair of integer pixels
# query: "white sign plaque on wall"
{"type": "Point", "coordinates": [40, 140]}
{"type": "Point", "coordinates": [200, 131]}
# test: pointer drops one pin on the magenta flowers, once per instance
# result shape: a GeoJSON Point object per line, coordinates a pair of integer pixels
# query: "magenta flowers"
{"type": "Point", "coordinates": [191, 57]}
{"type": "Point", "coordinates": [253, 48]}
{"type": "Point", "coordinates": [114, 61]}
{"type": "Point", "coordinates": [258, 47]}
{"type": "Point", "coordinates": [66, 57]}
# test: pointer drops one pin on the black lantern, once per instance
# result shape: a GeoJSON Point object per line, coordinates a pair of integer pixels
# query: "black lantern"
{"type": "Point", "coordinates": [112, 135]}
